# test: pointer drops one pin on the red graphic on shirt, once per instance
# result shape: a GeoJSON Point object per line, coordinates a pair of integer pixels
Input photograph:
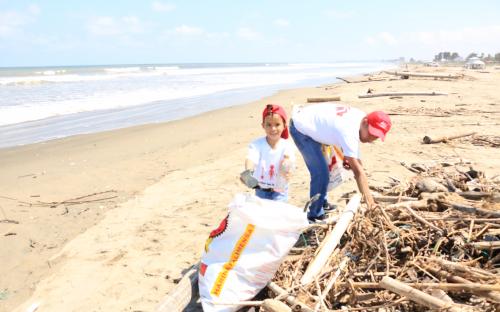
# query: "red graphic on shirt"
{"type": "Point", "coordinates": [271, 171]}
{"type": "Point", "coordinates": [341, 110]}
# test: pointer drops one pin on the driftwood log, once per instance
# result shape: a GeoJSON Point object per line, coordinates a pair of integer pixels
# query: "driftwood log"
{"type": "Point", "coordinates": [429, 140]}
{"type": "Point", "coordinates": [298, 306]}
{"type": "Point", "coordinates": [372, 95]}
{"type": "Point", "coordinates": [423, 75]}
{"type": "Point", "coordinates": [323, 99]}
{"type": "Point", "coordinates": [331, 241]}
{"type": "Point", "coordinates": [416, 295]}
{"type": "Point", "coordinates": [363, 80]}
{"type": "Point", "coordinates": [178, 299]}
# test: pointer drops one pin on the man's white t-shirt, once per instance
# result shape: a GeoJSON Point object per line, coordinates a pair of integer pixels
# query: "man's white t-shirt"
{"type": "Point", "coordinates": [268, 160]}
{"type": "Point", "coordinates": [331, 124]}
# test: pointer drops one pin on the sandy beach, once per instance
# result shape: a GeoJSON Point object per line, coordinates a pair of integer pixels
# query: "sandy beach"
{"type": "Point", "coordinates": [109, 221]}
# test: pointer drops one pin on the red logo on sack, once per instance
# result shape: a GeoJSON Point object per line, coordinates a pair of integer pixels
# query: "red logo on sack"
{"type": "Point", "coordinates": [218, 231]}
{"type": "Point", "coordinates": [222, 227]}
{"type": "Point", "coordinates": [203, 268]}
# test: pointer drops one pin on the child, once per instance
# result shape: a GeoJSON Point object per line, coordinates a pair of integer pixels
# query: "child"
{"type": "Point", "coordinates": [271, 158]}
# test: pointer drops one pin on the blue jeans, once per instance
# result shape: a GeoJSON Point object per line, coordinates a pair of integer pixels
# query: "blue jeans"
{"type": "Point", "coordinates": [282, 197]}
{"type": "Point", "coordinates": [318, 169]}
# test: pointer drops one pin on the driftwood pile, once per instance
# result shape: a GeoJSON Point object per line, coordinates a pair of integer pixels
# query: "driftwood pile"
{"type": "Point", "coordinates": [433, 243]}
{"type": "Point", "coordinates": [483, 140]}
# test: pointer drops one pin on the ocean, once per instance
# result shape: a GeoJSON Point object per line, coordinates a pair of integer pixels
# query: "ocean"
{"type": "Point", "coordinates": [43, 103]}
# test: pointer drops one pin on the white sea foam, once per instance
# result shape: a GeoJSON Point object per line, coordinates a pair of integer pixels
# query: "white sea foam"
{"type": "Point", "coordinates": [36, 95]}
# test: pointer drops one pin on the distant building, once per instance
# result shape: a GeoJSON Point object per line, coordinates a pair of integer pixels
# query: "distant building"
{"type": "Point", "coordinates": [474, 63]}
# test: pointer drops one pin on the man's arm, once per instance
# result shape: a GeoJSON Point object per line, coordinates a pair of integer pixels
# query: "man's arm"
{"type": "Point", "coordinates": [361, 180]}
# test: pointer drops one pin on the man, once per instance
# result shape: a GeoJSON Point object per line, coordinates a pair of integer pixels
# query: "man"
{"type": "Point", "coordinates": [339, 125]}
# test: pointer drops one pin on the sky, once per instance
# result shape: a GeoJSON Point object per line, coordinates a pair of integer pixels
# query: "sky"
{"type": "Point", "coordinates": [93, 32]}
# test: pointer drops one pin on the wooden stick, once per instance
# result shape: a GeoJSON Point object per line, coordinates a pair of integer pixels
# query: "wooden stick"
{"type": "Point", "coordinates": [494, 245]}
{"type": "Point", "coordinates": [476, 220]}
{"type": "Point", "coordinates": [423, 75]}
{"type": "Point", "coordinates": [444, 286]}
{"type": "Point", "coordinates": [334, 277]}
{"type": "Point", "coordinates": [321, 302]}
{"type": "Point", "coordinates": [290, 299]}
{"type": "Point", "coordinates": [270, 305]}
{"type": "Point", "coordinates": [419, 218]}
{"type": "Point", "coordinates": [492, 295]}
{"type": "Point", "coordinates": [323, 99]}
{"type": "Point", "coordinates": [469, 209]}
{"type": "Point", "coordinates": [331, 241]}
{"type": "Point", "coordinates": [458, 267]}
{"type": "Point", "coordinates": [428, 140]}
{"type": "Point", "coordinates": [392, 199]}
{"type": "Point", "coordinates": [372, 95]}
{"type": "Point", "coordinates": [471, 228]}
{"type": "Point", "coordinates": [474, 195]}
{"type": "Point", "coordinates": [413, 294]}
{"type": "Point", "coordinates": [387, 255]}
{"type": "Point", "coordinates": [343, 79]}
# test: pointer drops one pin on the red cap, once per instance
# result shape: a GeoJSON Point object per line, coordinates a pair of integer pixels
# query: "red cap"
{"type": "Point", "coordinates": [379, 124]}
{"type": "Point", "coordinates": [276, 109]}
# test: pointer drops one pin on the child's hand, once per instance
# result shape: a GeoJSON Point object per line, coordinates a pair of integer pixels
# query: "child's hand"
{"type": "Point", "coordinates": [286, 168]}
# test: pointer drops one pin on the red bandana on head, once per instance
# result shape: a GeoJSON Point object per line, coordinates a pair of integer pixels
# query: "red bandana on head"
{"type": "Point", "coordinates": [276, 109]}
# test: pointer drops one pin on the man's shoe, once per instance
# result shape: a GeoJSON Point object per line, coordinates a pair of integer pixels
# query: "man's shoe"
{"type": "Point", "coordinates": [317, 219]}
{"type": "Point", "coordinates": [329, 207]}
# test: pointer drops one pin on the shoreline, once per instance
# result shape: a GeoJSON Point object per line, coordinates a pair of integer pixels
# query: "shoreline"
{"type": "Point", "coordinates": [176, 98]}
{"type": "Point", "coordinates": [173, 182]}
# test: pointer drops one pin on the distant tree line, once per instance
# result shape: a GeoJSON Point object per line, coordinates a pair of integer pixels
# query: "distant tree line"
{"type": "Point", "coordinates": [453, 56]}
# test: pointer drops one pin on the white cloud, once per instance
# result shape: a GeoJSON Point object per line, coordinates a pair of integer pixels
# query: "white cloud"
{"type": "Point", "coordinates": [467, 35]}
{"type": "Point", "coordinates": [13, 22]}
{"type": "Point", "coordinates": [189, 30]}
{"type": "Point", "coordinates": [111, 26]}
{"type": "Point", "coordinates": [387, 38]}
{"type": "Point", "coordinates": [339, 14]}
{"type": "Point", "coordinates": [248, 34]}
{"type": "Point", "coordinates": [370, 40]}
{"type": "Point", "coordinates": [281, 22]}
{"type": "Point", "coordinates": [162, 6]}
{"type": "Point", "coordinates": [34, 9]}
{"type": "Point", "coordinates": [384, 38]}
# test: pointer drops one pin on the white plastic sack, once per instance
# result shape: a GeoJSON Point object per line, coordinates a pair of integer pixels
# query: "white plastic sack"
{"type": "Point", "coordinates": [242, 255]}
{"type": "Point", "coordinates": [335, 158]}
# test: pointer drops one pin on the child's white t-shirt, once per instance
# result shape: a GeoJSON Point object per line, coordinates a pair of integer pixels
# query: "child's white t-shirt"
{"type": "Point", "coordinates": [331, 124]}
{"type": "Point", "coordinates": [268, 160]}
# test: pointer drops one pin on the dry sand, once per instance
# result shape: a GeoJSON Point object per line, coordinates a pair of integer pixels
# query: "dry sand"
{"type": "Point", "coordinates": [167, 185]}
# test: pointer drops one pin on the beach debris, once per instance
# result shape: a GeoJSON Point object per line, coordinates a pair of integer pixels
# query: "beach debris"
{"type": "Point", "coordinates": [9, 221]}
{"type": "Point", "coordinates": [400, 94]}
{"type": "Point", "coordinates": [370, 79]}
{"type": "Point", "coordinates": [182, 294]}
{"type": "Point", "coordinates": [323, 99]}
{"type": "Point", "coordinates": [90, 198]}
{"type": "Point", "coordinates": [407, 75]}
{"type": "Point", "coordinates": [4, 294]}
{"type": "Point", "coordinates": [439, 250]}
{"type": "Point", "coordinates": [429, 140]}
{"type": "Point", "coordinates": [483, 140]}
{"type": "Point", "coordinates": [331, 240]}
